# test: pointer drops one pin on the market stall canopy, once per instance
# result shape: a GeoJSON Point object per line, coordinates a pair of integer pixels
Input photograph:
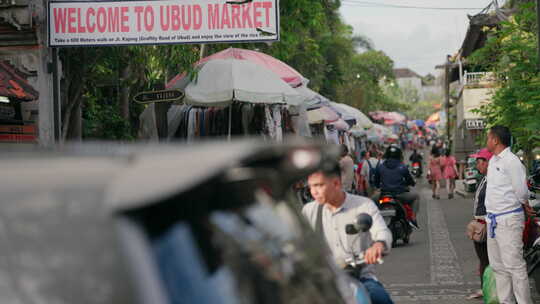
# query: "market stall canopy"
{"type": "Point", "coordinates": [278, 67]}
{"type": "Point", "coordinates": [308, 93]}
{"type": "Point", "coordinates": [379, 132]}
{"type": "Point", "coordinates": [389, 118]}
{"type": "Point", "coordinates": [221, 81]}
{"type": "Point", "coordinates": [313, 99]}
{"type": "Point", "coordinates": [361, 119]}
{"type": "Point", "coordinates": [340, 124]}
{"type": "Point", "coordinates": [433, 119]}
{"type": "Point", "coordinates": [322, 114]}
{"type": "Point", "coordinates": [358, 132]}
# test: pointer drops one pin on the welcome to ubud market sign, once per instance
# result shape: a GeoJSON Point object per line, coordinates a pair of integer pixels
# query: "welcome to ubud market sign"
{"type": "Point", "coordinates": [78, 23]}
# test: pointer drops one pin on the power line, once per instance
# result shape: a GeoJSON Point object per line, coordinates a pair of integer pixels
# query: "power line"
{"type": "Point", "coordinates": [386, 5]}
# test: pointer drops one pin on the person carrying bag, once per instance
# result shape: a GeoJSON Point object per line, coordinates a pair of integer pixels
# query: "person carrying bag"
{"type": "Point", "coordinates": [477, 228]}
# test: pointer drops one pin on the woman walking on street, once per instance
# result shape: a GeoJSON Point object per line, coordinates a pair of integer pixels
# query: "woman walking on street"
{"type": "Point", "coordinates": [449, 172]}
{"type": "Point", "coordinates": [435, 171]}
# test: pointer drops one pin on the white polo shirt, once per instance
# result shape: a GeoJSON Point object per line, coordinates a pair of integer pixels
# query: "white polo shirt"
{"type": "Point", "coordinates": [506, 183]}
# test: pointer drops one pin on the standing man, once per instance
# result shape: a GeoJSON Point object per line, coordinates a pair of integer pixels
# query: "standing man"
{"type": "Point", "coordinates": [331, 211]}
{"type": "Point", "coordinates": [368, 170]}
{"type": "Point", "coordinates": [506, 199]}
{"type": "Point", "coordinates": [347, 169]}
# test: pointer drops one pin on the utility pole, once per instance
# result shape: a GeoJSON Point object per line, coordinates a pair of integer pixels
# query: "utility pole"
{"type": "Point", "coordinates": [538, 33]}
{"type": "Point", "coordinates": [447, 96]}
{"type": "Point", "coordinates": [44, 71]}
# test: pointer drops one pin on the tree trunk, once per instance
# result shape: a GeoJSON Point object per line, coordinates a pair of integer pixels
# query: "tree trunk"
{"type": "Point", "coordinates": [72, 93]}
{"type": "Point", "coordinates": [125, 74]}
{"type": "Point", "coordinates": [73, 104]}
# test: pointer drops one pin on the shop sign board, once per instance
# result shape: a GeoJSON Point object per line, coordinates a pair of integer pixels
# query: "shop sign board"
{"type": "Point", "coordinates": [159, 96]}
{"type": "Point", "coordinates": [94, 23]}
{"type": "Point", "coordinates": [475, 124]}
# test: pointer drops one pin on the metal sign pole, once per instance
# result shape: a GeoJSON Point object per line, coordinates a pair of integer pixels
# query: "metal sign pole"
{"type": "Point", "coordinates": [230, 122]}
{"type": "Point", "coordinates": [56, 98]}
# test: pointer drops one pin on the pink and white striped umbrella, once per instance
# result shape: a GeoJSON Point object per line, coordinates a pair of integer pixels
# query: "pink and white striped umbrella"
{"type": "Point", "coordinates": [278, 67]}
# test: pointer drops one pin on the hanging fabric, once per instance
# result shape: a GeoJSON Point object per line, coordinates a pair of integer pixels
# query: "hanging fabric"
{"type": "Point", "coordinates": [276, 114]}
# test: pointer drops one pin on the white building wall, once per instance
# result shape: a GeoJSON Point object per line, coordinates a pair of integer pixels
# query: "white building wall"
{"type": "Point", "coordinates": [473, 99]}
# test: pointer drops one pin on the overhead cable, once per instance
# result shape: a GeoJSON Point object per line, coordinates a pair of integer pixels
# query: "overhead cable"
{"type": "Point", "coordinates": [386, 5]}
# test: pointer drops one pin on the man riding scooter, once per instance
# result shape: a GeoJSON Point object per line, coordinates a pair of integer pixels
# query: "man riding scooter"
{"type": "Point", "coordinates": [392, 176]}
{"type": "Point", "coordinates": [416, 158]}
{"type": "Point", "coordinates": [329, 215]}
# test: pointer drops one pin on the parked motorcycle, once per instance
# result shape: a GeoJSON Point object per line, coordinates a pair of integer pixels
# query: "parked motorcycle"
{"type": "Point", "coordinates": [532, 254]}
{"type": "Point", "coordinates": [416, 169]}
{"type": "Point", "coordinates": [395, 214]}
{"type": "Point", "coordinates": [532, 257]}
{"type": "Point", "coordinates": [533, 182]}
{"type": "Point", "coordinates": [472, 176]}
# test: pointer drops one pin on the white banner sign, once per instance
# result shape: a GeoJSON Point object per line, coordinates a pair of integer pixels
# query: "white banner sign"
{"type": "Point", "coordinates": [159, 22]}
{"type": "Point", "coordinates": [475, 124]}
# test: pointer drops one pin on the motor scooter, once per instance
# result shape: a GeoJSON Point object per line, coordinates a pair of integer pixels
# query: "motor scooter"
{"type": "Point", "coordinates": [416, 169]}
{"type": "Point", "coordinates": [353, 266]}
{"type": "Point", "coordinates": [395, 215]}
{"type": "Point", "coordinates": [472, 176]}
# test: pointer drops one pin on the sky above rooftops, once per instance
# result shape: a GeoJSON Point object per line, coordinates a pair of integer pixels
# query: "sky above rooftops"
{"type": "Point", "coordinates": [418, 39]}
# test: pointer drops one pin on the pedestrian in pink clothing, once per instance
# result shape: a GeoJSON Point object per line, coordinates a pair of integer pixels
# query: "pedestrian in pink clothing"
{"type": "Point", "coordinates": [435, 171]}
{"type": "Point", "coordinates": [449, 172]}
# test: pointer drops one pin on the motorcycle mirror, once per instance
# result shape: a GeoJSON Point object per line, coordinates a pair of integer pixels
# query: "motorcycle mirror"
{"type": "Point", "coordinates": [350, 229]}
{"type": "Point", "coordinates": [364, 222]}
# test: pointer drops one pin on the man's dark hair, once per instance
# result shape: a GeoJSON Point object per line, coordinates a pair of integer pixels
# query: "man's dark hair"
{"type": "Point", "coordinates": [344, 150]}
{"type": "Point", "coordinates": [363, 154]}
{"type": "Point", "coordinates": [331, 170]}
{"type": "Point", "coordinates": [435, 151]}
{"type": "Point", "coordinates": [502, 133]}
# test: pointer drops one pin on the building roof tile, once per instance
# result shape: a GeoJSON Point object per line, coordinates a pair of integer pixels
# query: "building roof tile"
{"type": "Point", "coordinates": [14, 85]}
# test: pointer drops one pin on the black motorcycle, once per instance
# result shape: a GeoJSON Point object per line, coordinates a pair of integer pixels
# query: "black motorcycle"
{"type": "Point", "coordinates": [394, 214]}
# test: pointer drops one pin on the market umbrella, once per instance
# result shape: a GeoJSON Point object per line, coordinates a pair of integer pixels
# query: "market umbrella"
{"type": "Point", "coordinates": [356, 131]}
{"type": "Point", "coordinates": [340, 124]}
{"type": "Point", "coordinates": [433, 119]}
{"type": "Point", "coordinates": [419, 122]}
{"type": "Point", "coordinates": [278, 67]}
{"type": "Point", "coordinates": [220, 81]}
{"type": "Point", "coordinates": [361, 119]}
{"type": "Point", "coordinates": [322, 114]}
{"type": "Point", "coordinates": [389, 118]}
{"type": "Point", "coordinates": [379, 132]}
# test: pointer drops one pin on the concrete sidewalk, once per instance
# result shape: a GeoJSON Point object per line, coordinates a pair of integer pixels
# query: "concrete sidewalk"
{"type": "Point", "coordinates": [460, 190]}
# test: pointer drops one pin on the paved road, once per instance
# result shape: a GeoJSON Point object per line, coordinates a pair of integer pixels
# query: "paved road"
{"type": "Point", "coordinates": [439, 265]}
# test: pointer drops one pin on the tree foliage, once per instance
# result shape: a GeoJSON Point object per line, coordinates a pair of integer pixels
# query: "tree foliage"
{"type": "Point", "coordinates": [511, 53]}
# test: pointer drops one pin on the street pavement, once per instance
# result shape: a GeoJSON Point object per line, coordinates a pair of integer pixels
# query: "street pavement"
{"type": "Point", "coordinates": [439, 265]}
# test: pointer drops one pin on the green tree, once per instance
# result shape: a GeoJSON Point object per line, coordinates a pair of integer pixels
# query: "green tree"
{"type": "Point", "coordinates": [511, 54]}
{"type": "Point", "coordinates": [369, 75]}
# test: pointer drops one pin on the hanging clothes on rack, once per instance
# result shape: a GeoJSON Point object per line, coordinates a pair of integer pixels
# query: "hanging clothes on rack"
{"type": "Point", "coordinates": [276, 115]}
{"type": "Point", "coordinates": [331, 135]}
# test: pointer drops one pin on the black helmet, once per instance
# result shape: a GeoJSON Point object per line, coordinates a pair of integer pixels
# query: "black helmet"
{"type": "Point", "coordinates": [394, 152]}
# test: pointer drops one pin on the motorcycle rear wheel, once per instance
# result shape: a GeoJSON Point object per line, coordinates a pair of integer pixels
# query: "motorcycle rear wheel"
{"type": "Point", "coordinates": [406, 239]}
